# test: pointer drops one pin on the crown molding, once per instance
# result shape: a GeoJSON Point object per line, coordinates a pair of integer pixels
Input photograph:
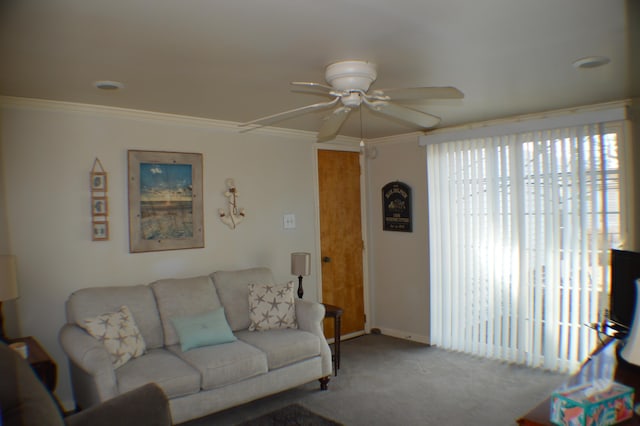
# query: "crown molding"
{"type": "Point", "coordinates": [396, 139]}
{"type": "Point", "coordinates": [232, 127]}
{"type": "Point", "coordinates": [606, 111]}
{"type": "Point", "coordinates": [134, 114]}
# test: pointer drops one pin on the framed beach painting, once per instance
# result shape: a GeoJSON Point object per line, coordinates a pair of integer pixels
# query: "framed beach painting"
{"type": "Point", "coordinates": [165, 201]}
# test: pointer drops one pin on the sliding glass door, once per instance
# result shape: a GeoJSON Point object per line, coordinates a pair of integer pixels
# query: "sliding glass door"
{"type": "Point", "coordinates": [520, 227]}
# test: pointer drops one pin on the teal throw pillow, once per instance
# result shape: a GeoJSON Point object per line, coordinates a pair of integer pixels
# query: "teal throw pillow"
{"type": "Point", "coordinates": [210, 328]}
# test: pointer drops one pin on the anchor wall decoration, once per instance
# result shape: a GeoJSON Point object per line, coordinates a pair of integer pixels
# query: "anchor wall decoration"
{"type": "Point", "coordinates": [234, 215]}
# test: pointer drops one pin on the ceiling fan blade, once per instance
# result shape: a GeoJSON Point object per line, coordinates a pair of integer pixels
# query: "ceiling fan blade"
{"type": "Point", "coordinates": [312, 85]}
{"type": "Point", "coordinates": [332, 123]}
{"type": "Point", "coordinates": [290, 114]}
{"type": "Point", "coordinates": [408, 115]}
{"type": "Point", "coordinates": [417, 93]}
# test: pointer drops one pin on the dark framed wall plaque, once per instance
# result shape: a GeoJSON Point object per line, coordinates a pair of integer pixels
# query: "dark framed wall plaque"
{"type": "Point", "coordinates": [396, 207]}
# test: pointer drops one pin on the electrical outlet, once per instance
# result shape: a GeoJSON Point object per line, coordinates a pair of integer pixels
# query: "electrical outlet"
{"type": "Point", "coordinates": [289, 221]}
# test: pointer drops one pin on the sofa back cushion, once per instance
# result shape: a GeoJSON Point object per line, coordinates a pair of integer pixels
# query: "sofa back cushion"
{"type": "Point", "coordinates": [181, 297]}
{"type": "Point", "coordinates": [91, 302]}
{"type": "Point", "coordinates": [233, 290]}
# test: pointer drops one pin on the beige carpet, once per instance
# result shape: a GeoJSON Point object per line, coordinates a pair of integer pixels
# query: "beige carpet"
{"type": "Point", "coordinates": [387, 381]}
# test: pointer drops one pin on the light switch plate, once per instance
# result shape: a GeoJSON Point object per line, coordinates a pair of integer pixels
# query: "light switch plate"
{"type": "Point", "coordinates": [289, 221]}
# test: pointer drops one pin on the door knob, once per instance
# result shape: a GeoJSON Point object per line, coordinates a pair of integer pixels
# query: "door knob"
{"type": "Point", "coordinates": [326, 259]}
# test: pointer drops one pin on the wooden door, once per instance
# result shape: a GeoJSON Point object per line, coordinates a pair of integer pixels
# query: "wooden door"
{"type": "Point", "coordinates": [341, 241]}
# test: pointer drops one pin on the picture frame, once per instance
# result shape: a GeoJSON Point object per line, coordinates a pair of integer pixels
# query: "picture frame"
{"type": "Point", "coordinates": [98, 182]}
{"type": "Point", "coordinates": [100, 230]}
{"type": "Point", "coordinates": [99, 206]}
{"type": "Point", "coordinates": [165, 201]}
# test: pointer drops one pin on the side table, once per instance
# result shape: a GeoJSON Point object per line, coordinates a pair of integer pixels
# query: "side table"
{"type": "Point", "coordinates": [625, 373]}
{"type": "Point", "coordinates": [335, 312]}
{"type": "Point", "coordinates": [43, 365]}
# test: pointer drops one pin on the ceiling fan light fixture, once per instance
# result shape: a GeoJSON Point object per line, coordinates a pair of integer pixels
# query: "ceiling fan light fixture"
{"type": "Point", "coordinates": [352, 100]}
{"type": "Point", "coordinates": [351, 75]}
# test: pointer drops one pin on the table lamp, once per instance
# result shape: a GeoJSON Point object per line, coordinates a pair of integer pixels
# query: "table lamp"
{"type": "Point", "coordinates": [8, 285]}
{"type": "Point", "coordinates": [300, 265]}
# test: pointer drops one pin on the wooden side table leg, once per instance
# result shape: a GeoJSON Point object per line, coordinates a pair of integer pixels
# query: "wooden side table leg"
{"type": "Point", "coordinates": [336, 335]}
{"type": "Point", "coordinates": [335, 312]}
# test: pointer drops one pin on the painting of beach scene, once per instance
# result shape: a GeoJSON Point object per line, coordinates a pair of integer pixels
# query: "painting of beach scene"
{"type": "Point", "coordinates": [165, 206]}
{"type": "Point", "coordinates": [166, 201]}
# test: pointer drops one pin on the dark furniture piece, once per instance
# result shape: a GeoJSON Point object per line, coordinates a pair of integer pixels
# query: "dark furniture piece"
{"type": "Point", "coordinates": [44, 367]}
{"type": "Point", "coordinates": [626, 373]}
{"type": "Point", "coordinates": [26, 402]}
{"type": "Point", "coordinates": [335, 312]}
{"type": "Point", "coordinates": [625, 269]}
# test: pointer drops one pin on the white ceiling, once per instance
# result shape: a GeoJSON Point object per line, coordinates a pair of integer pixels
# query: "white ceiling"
{"type": "Point", "coordinates": [233, 59]}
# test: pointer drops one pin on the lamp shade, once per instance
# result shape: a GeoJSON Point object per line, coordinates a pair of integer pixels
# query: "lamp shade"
{"type": "Point", "coordinates": [8, 281]}
{"type": "Point", "coordinates": [300, 264]}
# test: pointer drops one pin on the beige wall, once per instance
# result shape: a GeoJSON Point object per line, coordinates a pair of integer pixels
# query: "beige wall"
{"type": "Point", "coordinates": [399, 265]}
{"type": "Point", "coordinates": [48, 151]}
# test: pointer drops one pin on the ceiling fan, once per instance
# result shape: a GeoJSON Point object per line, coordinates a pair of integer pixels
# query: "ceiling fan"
{"type": "Point", "coordinates": [349, 83]}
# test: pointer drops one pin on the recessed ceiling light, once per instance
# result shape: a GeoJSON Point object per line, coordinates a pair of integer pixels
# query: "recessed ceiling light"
{"type": "Point", "coordinates": [591, 62]}
{"type": "Point", "coordinates": [108, 85]}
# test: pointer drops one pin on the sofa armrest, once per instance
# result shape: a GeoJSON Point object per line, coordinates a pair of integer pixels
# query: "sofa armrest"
{"type": "Point", "coordinates": [309, 316]}
{"type": "Point", "coordinates": [23, 398]}
{"type": "Point", "coordinates": [92, 374]}
{"type": "Point", "coordinates": [146, 405]}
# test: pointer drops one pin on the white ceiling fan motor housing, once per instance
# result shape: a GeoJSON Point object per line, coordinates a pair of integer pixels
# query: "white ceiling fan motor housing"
{"type": "Point", "coordinates": [351, 75]}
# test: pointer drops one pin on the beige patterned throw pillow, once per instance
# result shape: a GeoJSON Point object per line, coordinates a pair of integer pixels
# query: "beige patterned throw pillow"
{"type": "Point", "coordinates": [119, 334]}
{"type": "Point", "coordinates": [271, 306]}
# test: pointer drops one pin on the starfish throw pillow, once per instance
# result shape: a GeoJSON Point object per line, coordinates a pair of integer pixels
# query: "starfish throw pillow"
{"type": "Point", "coordinates": [119, 334]}
{"type": "Point", "coordinates": [271, 306]}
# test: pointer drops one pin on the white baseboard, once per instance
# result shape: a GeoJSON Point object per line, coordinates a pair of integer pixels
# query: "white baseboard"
{"type": "Point", "coordinates": [405, 335]}
{"type": "Point", "coordinates": [347, 336]}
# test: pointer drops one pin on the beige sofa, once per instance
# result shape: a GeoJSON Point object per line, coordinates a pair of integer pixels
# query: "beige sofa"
{"type": "Point", "coordinates": [205, 379]}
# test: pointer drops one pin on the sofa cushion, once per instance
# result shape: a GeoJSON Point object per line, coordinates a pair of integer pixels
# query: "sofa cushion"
{"type": "Point", "coordinates": [271, 306]}
{"type": "Point", "coordinates": [224, 364]}
{"type": "Point", "coordinates": [232, 287]}
{"type": "Point", "coordinates": [172, 374]}
{"type": "Point", "coordinates": [182, 297]}
{"type": "Point", "coordinates": [118, 333]}
{"type": "Point", "coordinates": [210, 328]}
{"type": "Point", "coordinates": [283, 346]}
{"type": "Point", "coordinates": [91, 302]}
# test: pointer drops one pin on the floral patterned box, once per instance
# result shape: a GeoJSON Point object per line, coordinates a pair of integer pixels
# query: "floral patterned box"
{"type": "Point", "coordinates": [586, 405]}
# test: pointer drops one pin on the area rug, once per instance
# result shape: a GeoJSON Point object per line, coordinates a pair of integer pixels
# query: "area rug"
{"type": "Point", "coordinates": [291, 415]}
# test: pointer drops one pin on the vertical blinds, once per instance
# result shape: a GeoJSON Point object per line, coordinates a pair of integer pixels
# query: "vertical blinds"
{"type": "Point", "coordinates": [520, 228]}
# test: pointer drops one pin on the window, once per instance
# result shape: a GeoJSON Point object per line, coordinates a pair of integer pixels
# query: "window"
{"type": "Point", "coordinates": [520, 230]}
